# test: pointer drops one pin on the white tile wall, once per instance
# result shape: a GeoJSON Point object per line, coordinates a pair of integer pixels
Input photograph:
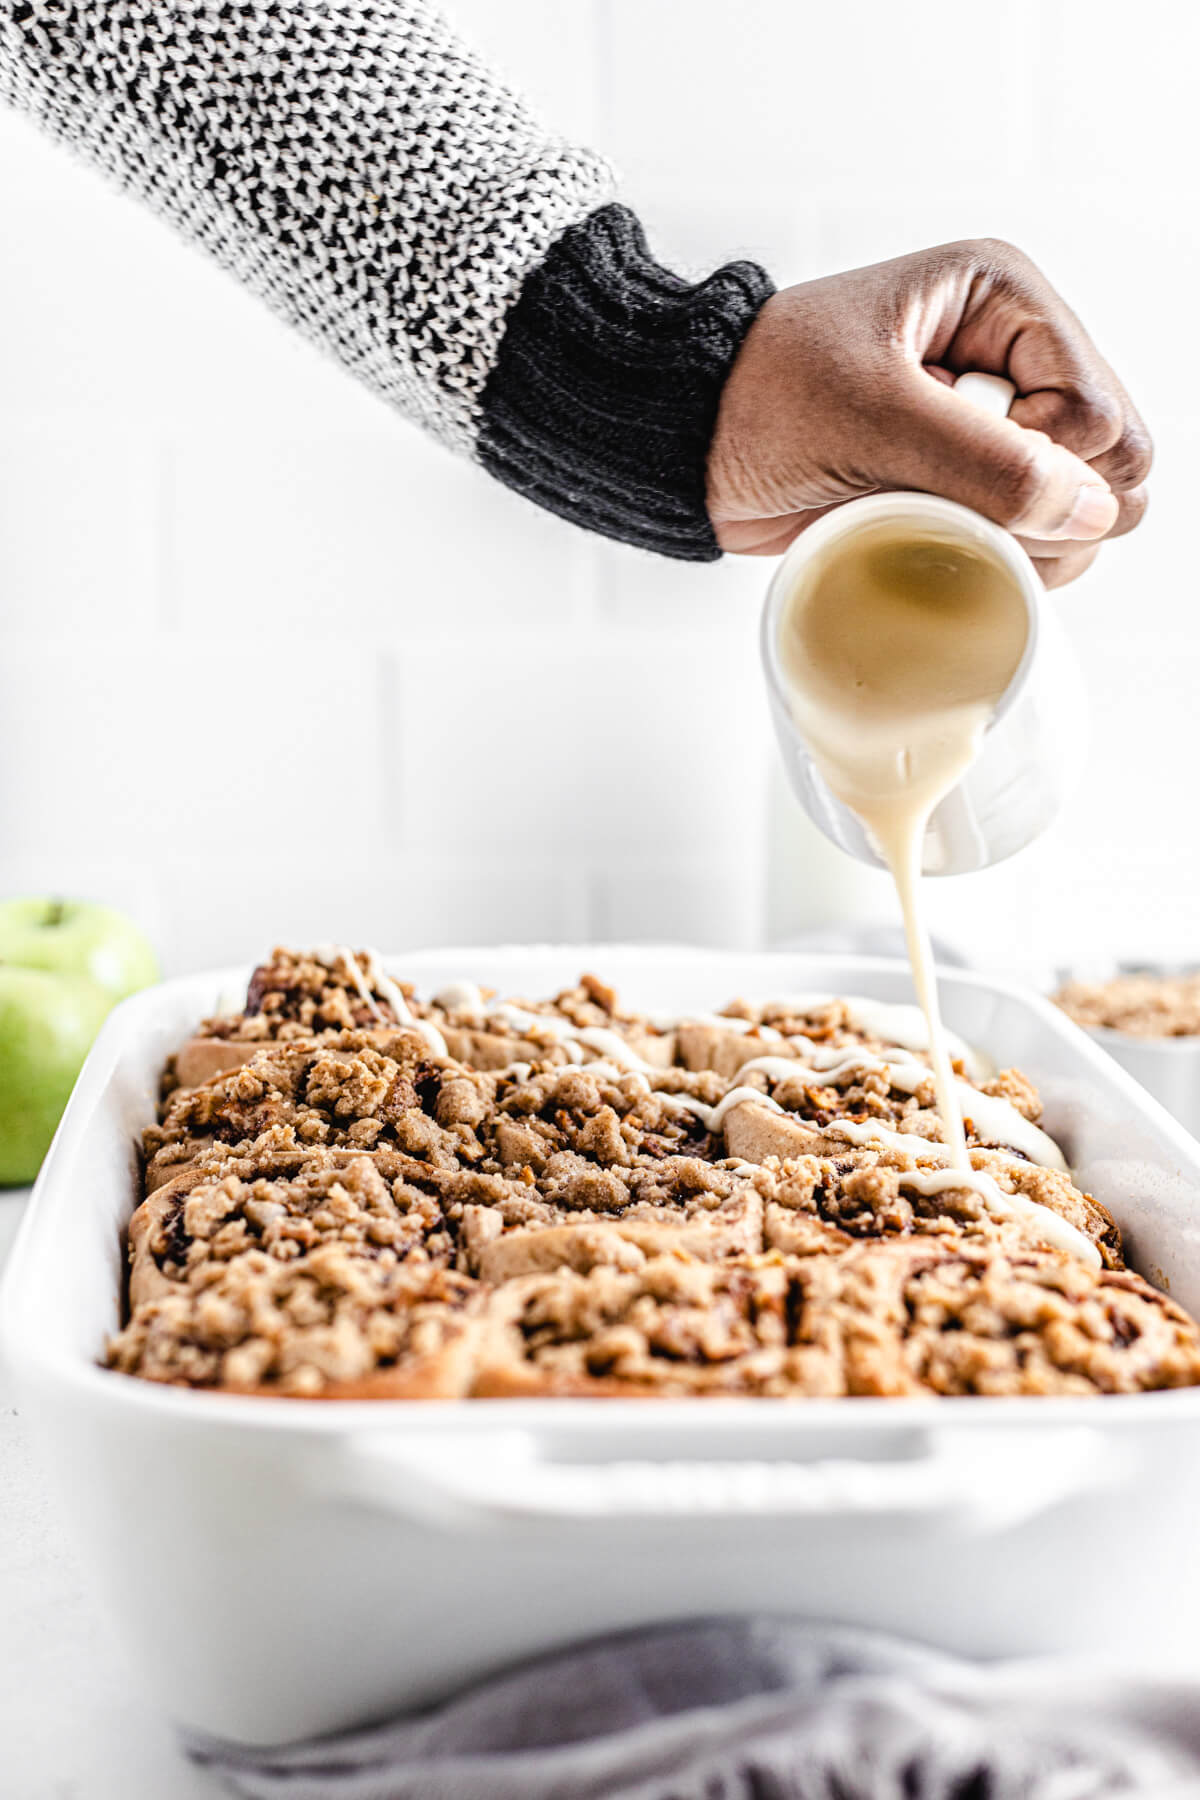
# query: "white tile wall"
{"type": "Point", "coordinates": [619, 748]}
{"type": "Point", "coordinates": [165, 746]}
{"type": "Point", "coordinates": [380, 534]}
{"type": "Point", "coordinates": [81, 523]}
{"type": "Point", "coordinates": [273, 666]}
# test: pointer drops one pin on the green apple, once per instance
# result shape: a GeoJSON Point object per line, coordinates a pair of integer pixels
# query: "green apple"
{"type": "Point", "coordinates": [77, 937]}
{"type": "Point", "coordinates": [63, 965]}
{"type": "Point", "coordinates": [47, 1024]}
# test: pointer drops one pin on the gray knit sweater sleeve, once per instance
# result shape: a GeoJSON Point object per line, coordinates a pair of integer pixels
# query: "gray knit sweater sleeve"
{"type": "Point", "coordinates": [358, 166]}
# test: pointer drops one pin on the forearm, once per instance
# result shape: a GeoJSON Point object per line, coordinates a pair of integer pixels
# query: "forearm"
{"type": "Point", "coordinates": [354, 164]}
{"type": "Point", "coordinates": [364, 172]}
{"type": "Point", "coordinates": [604, 397]}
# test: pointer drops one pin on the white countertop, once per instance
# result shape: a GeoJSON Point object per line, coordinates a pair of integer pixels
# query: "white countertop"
{"type": "Point", "coordinates": [72, 1726]}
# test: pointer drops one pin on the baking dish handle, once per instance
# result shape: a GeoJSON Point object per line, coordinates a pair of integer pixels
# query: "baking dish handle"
{"type": "Point", "coordinates": [975, 1480]}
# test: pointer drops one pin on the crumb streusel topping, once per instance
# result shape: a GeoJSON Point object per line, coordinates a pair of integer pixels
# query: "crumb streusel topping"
{"type": "Point", "coordinates": [1152, 1006]}
{"type": "Point", "coordinates": [353, 1191]}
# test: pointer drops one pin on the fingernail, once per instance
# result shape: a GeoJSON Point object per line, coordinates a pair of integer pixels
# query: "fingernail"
{"type": "Point", "coordinates": [1094, 513]}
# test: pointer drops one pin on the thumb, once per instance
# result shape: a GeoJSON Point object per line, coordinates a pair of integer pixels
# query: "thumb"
{"type": "Point", "coordinates": [942, 443]}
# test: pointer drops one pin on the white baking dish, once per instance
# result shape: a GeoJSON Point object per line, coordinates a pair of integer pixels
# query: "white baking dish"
{"type": "Point", "coordinates": [281, 1568]}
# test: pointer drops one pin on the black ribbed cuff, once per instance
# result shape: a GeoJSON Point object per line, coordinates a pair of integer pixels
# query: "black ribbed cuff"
{"type": "Point", "coordinates": [604, 394]}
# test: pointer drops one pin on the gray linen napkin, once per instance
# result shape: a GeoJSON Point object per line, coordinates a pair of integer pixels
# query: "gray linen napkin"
{"type": "Point", "coordinates": [756, 1709]}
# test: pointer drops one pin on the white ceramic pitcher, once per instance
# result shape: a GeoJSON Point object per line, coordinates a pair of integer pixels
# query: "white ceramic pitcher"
{"type": "Point", "coordinates": [1033, 749]}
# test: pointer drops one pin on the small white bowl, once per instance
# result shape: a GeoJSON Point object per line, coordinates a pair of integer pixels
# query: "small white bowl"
{"type": "Point", "coordinates": [1168, 1067]}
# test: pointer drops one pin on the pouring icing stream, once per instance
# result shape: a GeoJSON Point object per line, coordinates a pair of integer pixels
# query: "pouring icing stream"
{"type": "Point", "coordinates": [897, 644]}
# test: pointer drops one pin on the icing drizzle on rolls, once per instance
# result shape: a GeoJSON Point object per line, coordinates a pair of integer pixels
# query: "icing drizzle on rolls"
{"type": "Point", "coordinates": [993, 1117]}
{"type": "Point", "coordinates": [793, 1058]}
{"type": "Point", "coordinates": [867, 1134]}
{"type": "Point", "coordinates": [340, 956]}
{"type": "Point", "coordinates": [902, 1028]}
{"type": "Point", "coordinates": [896, 1022]}
{"type": "Point", "coordinates": [1058, 1232]}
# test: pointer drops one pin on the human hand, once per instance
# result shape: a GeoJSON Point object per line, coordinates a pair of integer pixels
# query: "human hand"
{"type": "Point", "coordinates": [843, 387]}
